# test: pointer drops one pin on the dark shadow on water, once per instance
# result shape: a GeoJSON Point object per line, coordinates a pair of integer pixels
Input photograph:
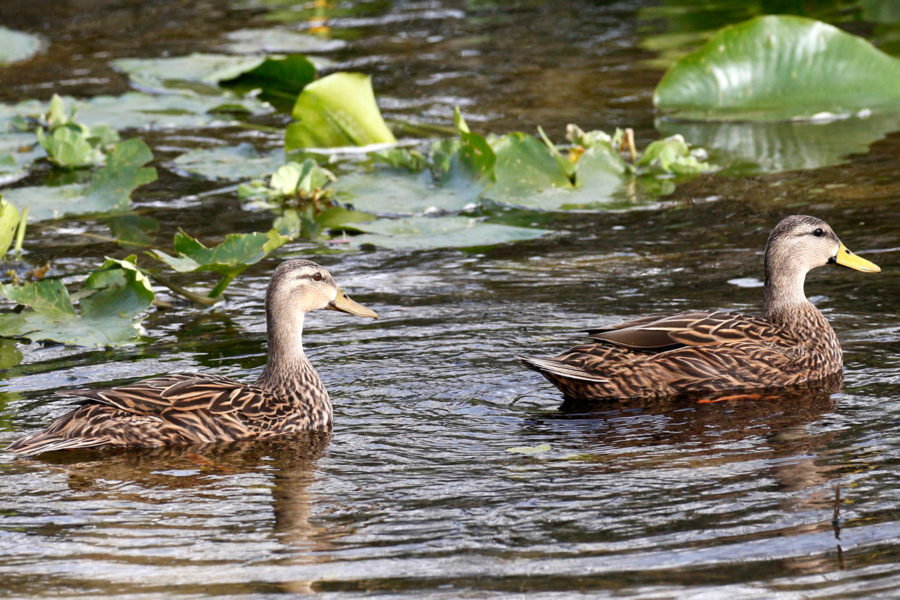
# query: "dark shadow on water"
{"type": "Point", "coordinates": [767, 425]}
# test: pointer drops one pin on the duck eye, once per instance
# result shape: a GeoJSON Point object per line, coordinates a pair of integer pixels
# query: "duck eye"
{"type": "Point", "coordinates": [317, 277]}
{"type": "Point", "coordinates": [818, 232]}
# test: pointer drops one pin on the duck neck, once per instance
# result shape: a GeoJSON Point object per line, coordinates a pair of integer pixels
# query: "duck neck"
{"type": "Point", "coordinates": [288, 372]}
{"type": "Point", "coordinates": [787, 306]}
{"type": "Point", "coordinates": [784, 294]}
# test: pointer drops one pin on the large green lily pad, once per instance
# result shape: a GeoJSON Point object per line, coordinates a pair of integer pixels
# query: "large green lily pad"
{"type": "Point", "coordinates": [440, 232]}
{"type": "Point", "coordinates": [109, 189]}
{"type": "Point", "coordinates": [16, 45]}
{"type": "Point", "coordinates": [337, 110]}
{"type": "Point", "coordinates": [111, 299]}
{"type": "Point", "coordinates": [228, 163]}
{"type": "Point", "coordinates": [779, 68]}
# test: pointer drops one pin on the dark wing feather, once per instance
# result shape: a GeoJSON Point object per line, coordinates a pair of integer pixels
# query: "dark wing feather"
{"type": "Point", "coordinates": [661, 333]}
{"type": "Point", "coordinates": [184, 392]}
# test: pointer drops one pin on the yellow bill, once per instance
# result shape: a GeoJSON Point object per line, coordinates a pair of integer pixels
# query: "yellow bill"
{"type": "Point", "coordinates": [845, 258]}
{"type": "Point", "coordinates": [345, 304]}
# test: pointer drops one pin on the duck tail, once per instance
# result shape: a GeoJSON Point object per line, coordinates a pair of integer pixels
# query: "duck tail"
{"type": "Point", "coordinates": [50, 441]}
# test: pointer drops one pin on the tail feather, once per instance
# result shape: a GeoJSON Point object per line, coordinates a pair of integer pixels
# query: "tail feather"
{"type": "Point", "coordinates": [559, 368]}
{"type": "Point", "coordinates": [48, 442]}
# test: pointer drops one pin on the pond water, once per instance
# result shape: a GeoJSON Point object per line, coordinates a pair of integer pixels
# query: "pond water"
{"type": "Point", "coordinates": [416, 493]}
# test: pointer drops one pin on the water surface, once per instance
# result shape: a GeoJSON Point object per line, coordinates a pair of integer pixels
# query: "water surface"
{"type": "Point", "coordinates": [415, 493]}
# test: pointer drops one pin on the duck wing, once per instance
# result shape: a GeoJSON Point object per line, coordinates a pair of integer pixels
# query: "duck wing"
{"type": "Point", "coordinates": [660, 333]}
{"type": "Point", "coordinates": [181, 408]}
{"type": "Point", "coordinates": [185, 393]}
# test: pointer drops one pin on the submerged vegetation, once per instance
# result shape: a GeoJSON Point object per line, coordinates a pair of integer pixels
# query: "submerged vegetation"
{"type": "Point", "coordinates": [465, 190]}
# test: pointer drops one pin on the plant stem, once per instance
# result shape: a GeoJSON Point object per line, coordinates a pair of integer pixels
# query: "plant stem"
{"type": "Point", "coordinates": [198, 298]}
{"type": "Point", "coordinates": [20, 231]}
{"type": "Point", "coordinates": [220, 287]}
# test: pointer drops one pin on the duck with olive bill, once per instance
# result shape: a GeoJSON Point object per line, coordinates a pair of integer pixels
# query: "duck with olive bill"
{"type": "Point", "coordinates": [790, 344]}
{"type": "Point", "coordinates": [195, 408]}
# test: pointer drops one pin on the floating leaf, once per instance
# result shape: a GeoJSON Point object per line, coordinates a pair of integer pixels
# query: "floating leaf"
{"type": "Point", "coordinates": [16, 46]}
{"type": "Point", "coordinates": [308, 223]}
{"type": "Point", "coordinates": [109, 189]}
{"type": "Point", "coordinates": [411, 160]}
{"type": "Point", "coordinates": [124, 171]}
{"type": "Point", "coordinates": [778, 68]}
{"type": "Point", "coordinates": [47, 296]}
{"type": "Point", "coordinates": [279, 80]}
{"type": "Point", "coordinates": [135, 110]}
{"type": "Point", "coordinates": [198, 72]}
{"type": "Point", "coordinates": [17, 152]}
{"type": "Point", "coordinates": [403, 194]}
{"type": "Point", "coordinates": [280, 41]}
{"type": "Point", "coordinates": [132, 229]}
{"type": "Point", "coordinates": [228, 163]}
{"type": "Point", "coordinates": [440, 232]}
{"type": "Point", "coordinates": [10, 355]}
{"type": "Point", "coordinates": [524, 166]}
{"type": "Point", "coordinates": [337, 110]}
{"type": "Point", "coordinates": [117, 287]}
{"type": "Point", "coordinates": [113, 296]}
{"type": "Point", "coordinates": [229, 259]}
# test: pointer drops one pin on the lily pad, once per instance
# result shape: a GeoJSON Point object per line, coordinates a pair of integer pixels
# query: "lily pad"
{"type": "Point", "coordinates": [198, 72]}
{"type": "Point", "coordinates": [135, 110]}
{"type": "Point", "coordinates": [229, 259]}
{"type": "Point", "coordinates": [228, 163]}
{"type": "Point", "coordinates": [525, 165]}
{"type": "Point", "coordinates": [395, 193]}
{"type": "Point", "coordinates": [778, 68]}
{"type": "Point", "coordinates": [16, 45]}
{"type": "Point", "coordinates": [132, 229]}
{"type": "Point", "coordinates": [278, 41]}
{"type": "Point", "coordinates": [112, 298]}
{"type": "Point", "coordinates": [108, 191]}
{"type": "Point", "coordinates": [440, 232]}
{"type": "Point", "coordinates": [17, 152]}
{"type": "Point", "coordinates": [337, 110]}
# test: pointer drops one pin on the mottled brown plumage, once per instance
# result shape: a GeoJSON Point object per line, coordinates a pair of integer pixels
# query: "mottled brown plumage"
{"type": "Point", "coordinates": [191, 408]}
{"type": "Point", "coordinates": [665, 355]}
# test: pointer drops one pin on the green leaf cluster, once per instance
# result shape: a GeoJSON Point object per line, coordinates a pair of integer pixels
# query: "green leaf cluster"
{"type": "Point", "coordinates": [228, 259]}
{"type": "Point", "coordinates": [73, 145]}
{"type": "Point", "coordinates": [299, 182]}
{"type": "Point", "coordinates": [110, 301]}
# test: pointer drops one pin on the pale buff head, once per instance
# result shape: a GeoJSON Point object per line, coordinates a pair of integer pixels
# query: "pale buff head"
{"type": "Point", "coordinates": [797, 245]}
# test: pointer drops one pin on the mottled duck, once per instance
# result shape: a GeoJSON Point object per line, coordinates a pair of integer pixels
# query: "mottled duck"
{"type": "Point", "coordinates": [712, 352]}
{"type": "Point", "coordinates": [193, 408]}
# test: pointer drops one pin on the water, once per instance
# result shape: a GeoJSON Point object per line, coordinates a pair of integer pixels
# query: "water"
{"type": "Point", "coordinates": [416, 492]}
